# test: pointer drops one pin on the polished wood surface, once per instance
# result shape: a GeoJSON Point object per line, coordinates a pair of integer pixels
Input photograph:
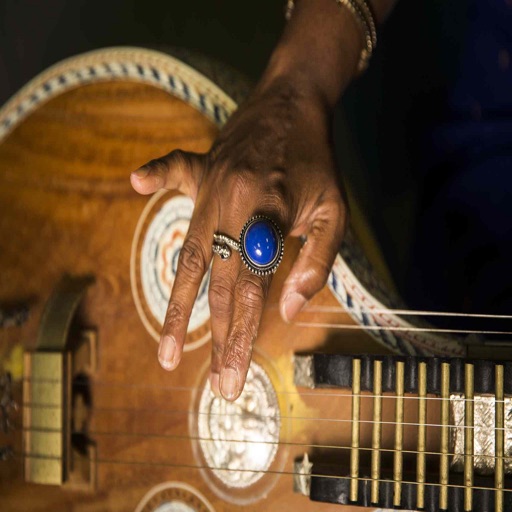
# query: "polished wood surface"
{"type": "Point", "coordinates": [66, 206]}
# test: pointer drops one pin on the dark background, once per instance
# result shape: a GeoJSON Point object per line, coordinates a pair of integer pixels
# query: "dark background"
{"type": "Point", "coordinates": [37, 33]}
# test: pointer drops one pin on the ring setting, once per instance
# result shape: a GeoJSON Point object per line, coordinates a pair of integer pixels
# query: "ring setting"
{"type": "Point", "coordinates": [260, 245]}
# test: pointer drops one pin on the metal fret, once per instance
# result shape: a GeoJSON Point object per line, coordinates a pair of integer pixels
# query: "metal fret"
{"type": "Point", "coordinates": [399, 433]}
{"type": "Point", "coordinates": [468, 400]}
{"type": "Point", "coordinates": [445, 420]}
{"type": "Point", "coordinates": [499, 438]}
{"type": "Point", "coordinates": [377, 429]}
{"type": "Point", "coordinates": [469, 395]}
{"type": "Point", "coordinates": [356, 416]}
{"type": "Point", "coordinates": [422, 434]}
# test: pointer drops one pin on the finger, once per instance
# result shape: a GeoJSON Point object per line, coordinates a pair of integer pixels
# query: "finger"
{"type": "Point", "coordinates": [250, 295]}
{"type": "Point", "coordinates": [193, 262]}
{"type": "Point", "coordinates": [220, 298]}
{"type": "Point", "coordinates": [223, 283]}
{"type": "Point", "coordinates": [314, 262]}
{"type": "Point", "coordinates": [178, 170]}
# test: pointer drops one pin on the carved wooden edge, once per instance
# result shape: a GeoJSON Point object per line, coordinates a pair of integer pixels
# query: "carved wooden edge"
{"type": "Point", "coordinates": [352, 280]}
{"type": "Point", "coordinates": [59, 312]}
{"type": "Point", "coordinates": [119, 63]}
{"type": "Point", "coordinates": [236, 85]}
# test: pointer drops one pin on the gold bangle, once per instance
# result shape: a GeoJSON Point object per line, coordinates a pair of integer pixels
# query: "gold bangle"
{"type": "Point", "coordinates": [364, 17]}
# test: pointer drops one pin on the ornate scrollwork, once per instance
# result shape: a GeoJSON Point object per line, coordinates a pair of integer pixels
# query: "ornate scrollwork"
{"type": "Point", "coordinates": [6, 453]}
{"type": "Point", "coordinates": [7, 403]}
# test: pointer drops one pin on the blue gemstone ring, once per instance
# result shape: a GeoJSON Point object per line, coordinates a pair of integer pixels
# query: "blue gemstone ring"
{"type": "Point", "coordinates": [261, 245]}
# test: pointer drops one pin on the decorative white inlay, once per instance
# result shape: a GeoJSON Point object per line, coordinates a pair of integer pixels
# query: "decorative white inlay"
{"type": "Point", "coordinates": [239, 440]}
{"type": "Point", "coordinates": [159, 260]}
{"type": "Point", "coordinates": [175, 506]}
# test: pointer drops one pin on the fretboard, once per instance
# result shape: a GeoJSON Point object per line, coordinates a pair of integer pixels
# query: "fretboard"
{"type": "Point", "coordinates": [459, 406]}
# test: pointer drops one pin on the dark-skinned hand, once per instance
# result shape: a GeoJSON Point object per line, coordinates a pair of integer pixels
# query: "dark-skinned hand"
{"type": "Point", "coordinates": [273, 157]}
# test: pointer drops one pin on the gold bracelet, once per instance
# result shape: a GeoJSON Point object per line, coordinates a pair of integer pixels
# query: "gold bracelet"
{"type": "Point", "coordinates": [364, 17]}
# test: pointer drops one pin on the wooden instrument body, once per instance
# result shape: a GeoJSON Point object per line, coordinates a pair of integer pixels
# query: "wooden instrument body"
{"type": "Point", "coordinates": [66, 206]}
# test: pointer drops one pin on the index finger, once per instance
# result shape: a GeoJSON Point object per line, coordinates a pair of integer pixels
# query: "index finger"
{"type": "Point", "coordinates": [193, 262]}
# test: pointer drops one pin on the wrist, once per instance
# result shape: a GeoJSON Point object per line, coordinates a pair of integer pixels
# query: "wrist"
{"type": "Point", "coordinates": [318, 52]}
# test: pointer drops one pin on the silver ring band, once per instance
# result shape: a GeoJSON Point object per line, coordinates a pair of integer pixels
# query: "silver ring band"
{"type": "Point", "coordinates": [223, 245]}
{"type": "Point", "coordinates": [226, 240]}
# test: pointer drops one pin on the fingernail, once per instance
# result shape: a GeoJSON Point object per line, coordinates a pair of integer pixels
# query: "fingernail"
{"type": "Point", "coordinates": [142, 172]}
{"type": "Point", "coordinates": [214, 383]}
{"type": "Point", "coordinates": [166, 352]}
{"type": "Point", "coordinates": [229, 384]}
{"type": "Point", "coordinates": [291, 305]}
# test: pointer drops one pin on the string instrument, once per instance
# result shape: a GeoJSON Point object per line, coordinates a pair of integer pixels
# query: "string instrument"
{"type": "Point", "coordinates": [89, 419]}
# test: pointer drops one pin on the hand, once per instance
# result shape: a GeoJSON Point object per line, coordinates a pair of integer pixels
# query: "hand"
{"type": "Point", "coordinates": [274, 158]}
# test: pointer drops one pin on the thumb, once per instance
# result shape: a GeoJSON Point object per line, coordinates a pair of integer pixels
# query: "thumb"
{"type": "Point", "coordinates": [313, 265]}
{"type": "Point", "coordinates": [178, 170]}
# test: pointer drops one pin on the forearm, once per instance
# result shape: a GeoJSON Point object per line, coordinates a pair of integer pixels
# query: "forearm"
{"type": "Point", "coordinates": [320, 48]}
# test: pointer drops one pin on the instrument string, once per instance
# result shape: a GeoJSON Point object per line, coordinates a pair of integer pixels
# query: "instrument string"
{"type": "Point", "coordinates": [181, 437]}
{"type": "Point", "coordinates": [317, 393]}
{"type": "Point", "coordinates": [263, 417]}
{"type": "Point", "coordinates": [399, 328]}
{"type": "Point", "coordinates": [397, 312]}
{"type": "Point", "coordinates": [313, 308]}
{"type": "Point", "coordinates": [248, 470]}
{"type": "Point", "coordinates": [320, 308]}
{"type": "Point", "coordinates": [317, 308]}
